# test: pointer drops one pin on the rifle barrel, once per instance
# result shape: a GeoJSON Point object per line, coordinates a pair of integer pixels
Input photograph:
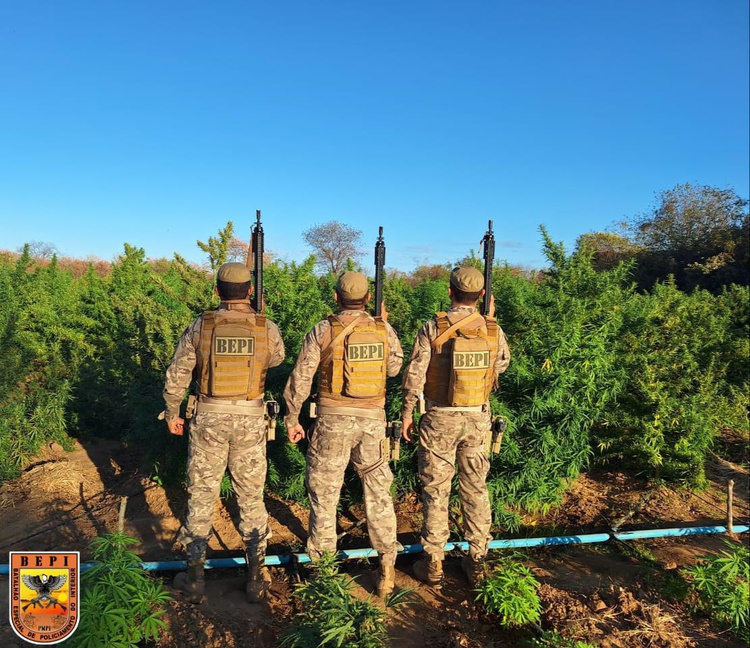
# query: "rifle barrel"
{"type": "Point", "coordinates": [488, 244]}
{"type": "Point", "coordinates": [379, 266]}
{"type": "Point", "coordinates": [257, 252]}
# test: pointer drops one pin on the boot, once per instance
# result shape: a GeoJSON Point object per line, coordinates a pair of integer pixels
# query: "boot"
{"type": "Point", "coordinates": [386, 579]}
{"type": "Point", "coordinates": [473, 568]}
{"type": "Point", "coordinates": [193, 583]}
{"type": "Point", "coordinates": [258, 578]}
{"type": "Point", "coordinates": [429, 570]}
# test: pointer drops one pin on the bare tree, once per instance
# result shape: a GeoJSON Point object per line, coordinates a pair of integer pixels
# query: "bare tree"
{"type": "Point", "coordinates": [334, 243]}
{"type": "Point", "coordinates": [41, 250]}
{"type": "Point", "coordinates": [237, 250]}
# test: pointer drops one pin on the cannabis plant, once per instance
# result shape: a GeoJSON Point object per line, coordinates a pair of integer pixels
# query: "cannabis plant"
{"type": "Point", "coordinates": [553, 639]}
{"type": "Point", "coordinates": [722, 585]}
{"type": "Point", "coordinates": [121, 606]}
{"type": "Point", "coordinates": [511, 593]}
{"type": "Point", "coordinates": [330, 615]}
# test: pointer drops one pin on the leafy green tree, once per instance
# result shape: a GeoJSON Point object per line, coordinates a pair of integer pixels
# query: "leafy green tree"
{"type": "Point", "coordinates": [608, 249]}
{"type": "Point", "coordinates": [218, 247]}
{"type": "Point", "coordinates": [697, 233]}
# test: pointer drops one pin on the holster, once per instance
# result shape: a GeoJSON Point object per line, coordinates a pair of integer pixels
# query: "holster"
{"type": "Point", "coordinates": [272, 414]}
{"type": "Point", "coordinates": [192, 401]}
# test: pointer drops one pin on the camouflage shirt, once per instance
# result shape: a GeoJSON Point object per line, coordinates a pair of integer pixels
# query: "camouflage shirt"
{"type": "Point", "coordinates": [300, 381]}
{"type": "Point", "coordinates": [180, 372]}
{"type": "Point", "coordinates": [415, 373]}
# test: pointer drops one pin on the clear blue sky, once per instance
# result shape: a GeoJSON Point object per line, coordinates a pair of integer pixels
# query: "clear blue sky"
{"type": "Point", "coordinates": [156, 122]}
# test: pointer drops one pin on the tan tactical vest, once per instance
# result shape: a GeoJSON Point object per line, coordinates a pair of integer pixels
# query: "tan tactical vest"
{"type": "Point", "coordinates": [233, 353]}
{"type": "Point", "coordinates": [460, 373]}
{"type": "Point", "coordinates": [353, 364]}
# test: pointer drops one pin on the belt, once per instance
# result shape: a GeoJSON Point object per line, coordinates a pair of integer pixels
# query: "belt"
{"type": "Point", "coordinates": [431, 405]}
{"type": "Point", "coordinates": [361, 412]}
{"type": "Point", "coordinates": [222, 406]}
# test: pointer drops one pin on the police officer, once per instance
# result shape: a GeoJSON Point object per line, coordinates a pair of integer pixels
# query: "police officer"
{"type": "Point", "coordinates": [226, 353]}
{"type": "Point", "coordinates": [455, 362]}
{"type": "Point", "coordinates": [352, 353]}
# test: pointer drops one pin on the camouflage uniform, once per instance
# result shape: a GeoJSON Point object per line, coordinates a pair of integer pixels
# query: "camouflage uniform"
{"type": "Point", "coordinates": [337, 439]}
{"type": "Point", "coordinates": [444, 436]}
{"type": "Point", "coordinates": [218, 441]}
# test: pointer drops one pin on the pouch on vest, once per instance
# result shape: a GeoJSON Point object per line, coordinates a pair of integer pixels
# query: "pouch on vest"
{"type": "Point", "coordinates": [364, 363]}
{"type": "Point", "coordinates": [470, 364]}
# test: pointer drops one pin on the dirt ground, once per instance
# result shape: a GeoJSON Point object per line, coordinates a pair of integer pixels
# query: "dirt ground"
{"type": "Point", "coordinates": [608, 594]}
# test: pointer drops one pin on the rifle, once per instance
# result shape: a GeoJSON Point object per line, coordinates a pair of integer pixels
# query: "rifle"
{"type": "Point", "coordinates": [379, 266]}
{"type": "Point", "coordinates": [256, 251]}
{"type": "Point", "coordinates": [488, 245]}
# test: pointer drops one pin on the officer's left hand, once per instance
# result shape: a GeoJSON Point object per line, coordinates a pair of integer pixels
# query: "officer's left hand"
{"type": "Point", "coordinates": [176, 426]}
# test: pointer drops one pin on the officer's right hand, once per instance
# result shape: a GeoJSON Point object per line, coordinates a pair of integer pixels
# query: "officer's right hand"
{"type": "Point", "coordinates": [407, 425]}
{"type": "Point", "coordinates": [295, 433]}
{"type": "Point", "coordinates": [176, 426]}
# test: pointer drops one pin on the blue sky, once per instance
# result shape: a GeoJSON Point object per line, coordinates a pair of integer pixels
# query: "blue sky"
{"type": "Point", "coordinates": [154, 123]}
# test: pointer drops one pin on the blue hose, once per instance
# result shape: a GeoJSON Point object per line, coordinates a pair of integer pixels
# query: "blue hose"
{"type": "Point", "coordinates": [683, 531]}
{"type": "Point", "coordinates": [349, 554]}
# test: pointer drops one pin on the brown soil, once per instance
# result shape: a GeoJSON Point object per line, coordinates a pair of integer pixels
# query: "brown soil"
{"type": "Point", "coordinates": [609, 595]}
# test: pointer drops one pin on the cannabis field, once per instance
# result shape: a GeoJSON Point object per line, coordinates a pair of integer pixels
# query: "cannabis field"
{"type": "Point", "coordinates": [602, 372]}
{"type": "Point", "coordinates": [608, 370]}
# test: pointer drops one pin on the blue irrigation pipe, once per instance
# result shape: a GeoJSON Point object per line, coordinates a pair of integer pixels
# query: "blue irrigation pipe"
{"type": "Point", "coordinates": [349, 554]}
{"type": "Point", "coordinates": [680, 531]}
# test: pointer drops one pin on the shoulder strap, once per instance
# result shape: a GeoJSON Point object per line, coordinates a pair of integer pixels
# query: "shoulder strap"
{"type": "Point", "coordinates": [380, 324]}
{"type": "Point", "coordinates": [208, 322]}
{"type": "Point", "coordinates": [328, 351]}
{"type": "Point", "coordinates": [441, 339]}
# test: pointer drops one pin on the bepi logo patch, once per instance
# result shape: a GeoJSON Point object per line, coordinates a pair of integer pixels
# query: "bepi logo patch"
{"type": "Point", "coordinates": [44, 595]}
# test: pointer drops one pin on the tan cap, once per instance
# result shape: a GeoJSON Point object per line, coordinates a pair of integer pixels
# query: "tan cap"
{"type": "Point", "coordinates": [468, 279]}
{"type": "Point", "coordinates": [352, 285]}
{"type": "Point", "coordinates": [233, 273]}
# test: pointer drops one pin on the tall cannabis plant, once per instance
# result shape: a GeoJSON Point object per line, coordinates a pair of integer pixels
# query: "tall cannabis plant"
{"type": "Point", "coordinates": [681, 354]}
{"type": "Point", "coordinates": [563, 376]}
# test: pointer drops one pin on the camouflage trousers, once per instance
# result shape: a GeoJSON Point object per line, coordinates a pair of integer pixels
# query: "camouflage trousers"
{"type": "Point", "coordinates": [335, 441]}
{"type": "Point", "coordinates": [217, 442]}
{"type": "Point", "coordinates": [445, 436]}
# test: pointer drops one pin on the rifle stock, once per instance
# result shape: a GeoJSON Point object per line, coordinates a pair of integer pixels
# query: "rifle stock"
{"type": "Point", "coordinates": [379, 268]}
{"type": "Point", "coordinates": [488, 252]}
